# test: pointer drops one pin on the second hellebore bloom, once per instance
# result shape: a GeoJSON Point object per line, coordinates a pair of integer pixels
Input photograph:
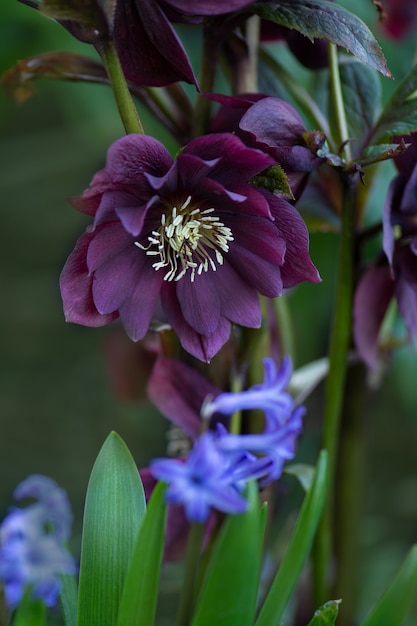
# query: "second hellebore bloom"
{"type": "Point", "coordinates": [187, 241]}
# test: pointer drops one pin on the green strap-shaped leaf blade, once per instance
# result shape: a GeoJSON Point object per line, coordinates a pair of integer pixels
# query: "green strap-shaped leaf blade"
{"type": "Point", "coordinates": [393, 605]}
{"type": "Point", "coordinates": [69, 599]}
{"type": "Point", "coordinates": [326, 615]}
{"type": "Point", "coordinates": [326, 20]}
{"type": "Point", "coordinates": [30, 612]}
{"type": "Point", "coordinates": [140, 591]}
{"type": "Point", "coordinates": [229, 591]}
{"type": "Point", "coordinates": [298, 548]}
{"type": "Point", "coordinates": [114, 508]}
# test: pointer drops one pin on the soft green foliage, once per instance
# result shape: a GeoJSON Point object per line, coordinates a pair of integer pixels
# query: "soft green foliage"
{"type": "Point", "coordinates": [114, 508]}
{"type": "Point", "coordinates": [30, 613]}
{"type": "Point", "coordinates": [393, 606]}
{"type": "Point", "coordinates": [298, 549]}
{"type": "Point", "coordinates": [325, 19]}
{"type": "Point", "coordinates": [326, 615]}
{"type": "Point", "coordinates": [69, 600]}
{"type": "Point", "coordinates": [229, 591]}
{"type": "Point", "coordinates": [140, 591]}
{"type": "Point", "coordinates": [400, 114]}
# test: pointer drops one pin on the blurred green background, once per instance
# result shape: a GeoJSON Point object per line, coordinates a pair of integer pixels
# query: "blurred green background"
{"type": "Point", "coordinates": [56, 403]}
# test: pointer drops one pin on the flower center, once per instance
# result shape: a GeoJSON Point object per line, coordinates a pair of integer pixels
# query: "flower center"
{"type": "Point", "coordinates": [188, 240]}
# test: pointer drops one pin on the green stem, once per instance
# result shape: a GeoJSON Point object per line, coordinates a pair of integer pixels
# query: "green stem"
{"type": "Point", "coordinates": [336, 87]}
{"type": "Point", "coordinates": [192, 559]}
{"type": "Point", "coordinates": [209, 59]}
{"type": "Point", "coordinates": [348, 503]}
{"type": "Point", "coordinates": [127, 110]}
{"type": "Point", "coordinates": [338, 356]}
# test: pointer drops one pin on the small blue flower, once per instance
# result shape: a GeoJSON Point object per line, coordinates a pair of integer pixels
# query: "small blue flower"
{"type": "Point", "coordinates": [32, 553]}
{"type": "Point", "coordinates": [269, 396]}
{"type": "Point", "coordinates": [203, 481]}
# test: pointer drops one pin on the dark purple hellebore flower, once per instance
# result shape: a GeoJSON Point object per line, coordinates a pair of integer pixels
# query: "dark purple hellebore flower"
{"type": "Point", "coordinates": [313, 54]}
{"type": "Point", "coordinates": [150, 51]}
{"type": "Point", "coordinates": [273, 126]}
{"type": "Point", "coordinates": [187, 241]}
{"type": "Point", "coordinates": [401, 17]}
{"type": "Point", "coordinates": [394, 274]}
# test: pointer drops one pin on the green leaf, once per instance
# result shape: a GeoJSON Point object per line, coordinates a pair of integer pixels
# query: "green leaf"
{"type": "Point", "coordinates": [140, 591]}
{"type": "Point", "coordinates": [292, 564]}
{"type": "Point", "coordinates": [114, 508]}
{"type": "Point", "coordinates": [362, 100]}
{"type": "Point", "coordinates": [69, 599]}
{"type": "Point", "coordinates": [326, 20]}
{"type": "Point", "coordinates": [393, 605]}
{"type": "Point", "coordinates": [304, 473]}
{"type": "Point", "coordinates": [400, 114]}
{"type": "Point", "coordinates": [30, 612]}
{"type": "Point", "coordinates": [229, 591]}
{"type": "Point", "coordinates": [274, 179]}
{"type": "Point", "coordinates": [326, 615]}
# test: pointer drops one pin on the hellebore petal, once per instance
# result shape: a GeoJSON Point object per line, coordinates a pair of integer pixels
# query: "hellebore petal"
{"type": "Point", "coordinates": [372, 298]}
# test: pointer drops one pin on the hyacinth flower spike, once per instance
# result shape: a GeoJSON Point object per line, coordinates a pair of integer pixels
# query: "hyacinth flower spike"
{"type": "Point", "coordinates": [32, 552]}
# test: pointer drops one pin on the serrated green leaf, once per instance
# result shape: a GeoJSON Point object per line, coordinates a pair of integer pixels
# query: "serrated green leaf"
{"type": "Point", "coordinates": [393, 606]}
{"type": "Point", "coordinates": [292, 564]}
{"type": "Point", "coordinates": [229, 591]}
{"type": "Point", "coordinates": [140, 591]}
{"type": "Point", "coordinates": [361, 89]}
{"type": "Point", "coordinates": [326, 20]}
{"type": "Point", "coordinates": [69, 599]}
{"type": "Point", "coordinates": [114, 508]}
{"type": "Point", "coordinates": [326, 615]}
{"type": "Point", "coordinates": [399, 116]}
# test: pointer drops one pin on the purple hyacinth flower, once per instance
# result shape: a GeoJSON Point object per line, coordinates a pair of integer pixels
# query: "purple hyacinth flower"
{"type": "Point", "coordinates": [269, 396]}
{"type": "Point", "coordinates": [205, 480]}
{"type": "Point", "coordinates": [186, 241]}
{"type": "Point", "coordinates": [32, 553]}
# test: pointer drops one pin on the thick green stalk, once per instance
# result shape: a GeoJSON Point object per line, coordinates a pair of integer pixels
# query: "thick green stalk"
{"type": "Point", "coordinates": [209, 59]}
{"type": "Point", "coordinates": [192, 560]}
{"type": "Point", "coordinates": [335, 384]}
{"type": "Point", "coordinates": [338, 350]}
{"type": "Point", "coordinates": [127, 110]}
{"type": "Point", "coordinates": [348, 504]}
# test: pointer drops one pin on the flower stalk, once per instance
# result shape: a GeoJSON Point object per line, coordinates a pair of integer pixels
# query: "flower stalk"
{"type": "Point", "coordinates": [192, 561]}
{"type": "Point", "coordinates": [338, 350]}
{"type": "Point", "coordinates": [126, 107]}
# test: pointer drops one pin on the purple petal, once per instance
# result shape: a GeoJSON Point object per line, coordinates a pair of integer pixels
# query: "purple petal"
{"type": "Point", "coordinates": [115, 280]}
{"type": "Point", "coordinates": [137, 311]}
{"type": "Point", "coordinates": [208, 7]}
{"type": "Point", "coordinates": [149, 49]}
{"type": "Point", "coordinates": [179, 391]}
{"type": "Point", "coordinates": [273, 122]}
{"type": "Point", "coordinates": [203, 347]}
{"type": "Point", "coordinates": [199, 301]}
{"type": "Point", "coordinates": [129, 157]}
{"type": "Point", "coordinates": [406, 289]}
{"type": "Point", "coordinates": [298, 265]}
{"type": "Point", "coordinates": [239, 301]}
{"type": "Point", "coordinates": [372, 298]}
{"type": "Point", "coordinates": [108, 241]}
{"type": "Point", "coordinates": [237, 162]}
{"type": "Point", "coordinates": [76, 288]}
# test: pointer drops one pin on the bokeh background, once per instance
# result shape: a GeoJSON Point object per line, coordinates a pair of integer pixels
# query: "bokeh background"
{"type": "Point", "coordinates": [58, 401]}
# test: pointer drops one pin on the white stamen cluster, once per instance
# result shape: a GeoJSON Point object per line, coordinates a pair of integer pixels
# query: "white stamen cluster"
{"type": "Point", "coordinates": [186, 241]}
